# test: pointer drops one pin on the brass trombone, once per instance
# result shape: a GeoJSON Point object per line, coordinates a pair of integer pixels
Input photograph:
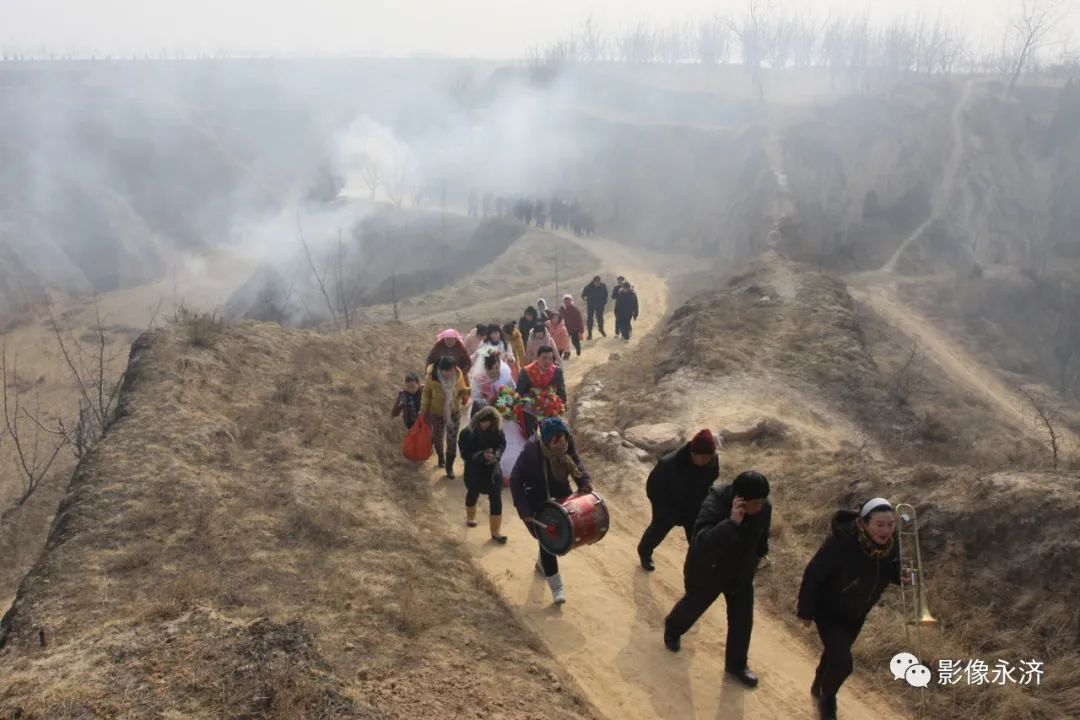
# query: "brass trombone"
{"type": "Point", "coordinates": [916, 609]}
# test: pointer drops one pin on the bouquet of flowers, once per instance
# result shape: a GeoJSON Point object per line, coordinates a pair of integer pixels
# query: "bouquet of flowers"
{"type": "Point", "coordinates": [544, 404]}
{"type": "Point", "coordinates": [507, 401]}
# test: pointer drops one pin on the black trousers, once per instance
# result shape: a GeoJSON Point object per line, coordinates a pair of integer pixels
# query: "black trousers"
{"type": "Point", "coordinates": [655, 534]}
{"type": "Point", "coordinates": [548, 563]}
{"type": "Point", "coordinates": [575, 338]}
{"type": "Point", "coordinates": [623, 327]}
{"type": "Point", "coordinates": [597, 314]}
{"type": "Point", "coordinates": [740, 616]}
{"type": "Point", "coordinates": [494, 496]}
{"type": "Point", "coordinates": [836, 662]}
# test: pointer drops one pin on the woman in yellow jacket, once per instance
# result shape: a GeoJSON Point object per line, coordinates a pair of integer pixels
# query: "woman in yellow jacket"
{"type": "Point", "coordinates": [517, 345]}
{"type": "Point", "coordinates": [445, 395]}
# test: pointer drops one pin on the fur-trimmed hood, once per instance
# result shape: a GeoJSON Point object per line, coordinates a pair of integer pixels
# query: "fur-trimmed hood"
{"type": "Point", "coordinates": [486, 413]}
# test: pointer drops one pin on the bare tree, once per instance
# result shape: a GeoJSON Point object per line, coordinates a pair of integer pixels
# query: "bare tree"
{"type": "Point", "coordinates": [348, 295]}
{"type": "Point", "coordinates": [97, 385]}
{"type": "Point", "coordinates": [803, 40]}
{"type": "Point", "coordinates": [909, 377]}
{"type": "Point", "coordinates": [939, 46]}
{"type": "Point", "coordinates": [592, 44]}
{"type": "Point", "coordinates": [345, 301]}
{"type": "Point", "coordinates": [713, 41]}
{"type": "Point", "coordinates": [898, 46]}
{"type": "Point", "coordinates": [36, 444]}
{"type": "Point", "coordinates": [316, 273]}
{"type": "Point", "coordinates": [778, 45]}
{"type": "Point", "coordinates": [1046, 416]}
{"type": "Point", "coordinates": [397, 176]}
{"type": "Point", "coordinates": [672, 43]}
{"type": "Point", "coordinates": [637, 45]}
{"type": "Point", "coordinates": [1030, 27]}
{"type": "Point", "coordinates": [752, 31]}
{"type": "Point", "coordinates": [370, 173]}
{"type": "Point", "coordinates": [393, 294]}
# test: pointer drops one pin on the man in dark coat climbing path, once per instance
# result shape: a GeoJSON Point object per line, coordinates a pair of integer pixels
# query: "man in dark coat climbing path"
{"type": "Point", "coordinates": [626, 310]}
{"type": "Point", "coordinates": [595, 297]}
{"type": "Point", "coordinates": [676, 488]}
{"type": "Point", "coordinates": [730, 536]}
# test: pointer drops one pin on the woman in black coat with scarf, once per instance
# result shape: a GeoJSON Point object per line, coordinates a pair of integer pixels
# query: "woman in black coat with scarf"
{"type": "Point", "coordinates": [482, 444]}
{"type": "Point", "coordinates": [544, 470]}
{"type": "Point", "coordinates": [842, 583]}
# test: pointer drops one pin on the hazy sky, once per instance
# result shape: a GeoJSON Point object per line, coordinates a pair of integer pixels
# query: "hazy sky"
{"type": "Point", "coordinates": [481, 28]}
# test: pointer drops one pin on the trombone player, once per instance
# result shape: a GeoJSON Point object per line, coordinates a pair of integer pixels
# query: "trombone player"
{"type": "Point", "coordinates": [842, 583]}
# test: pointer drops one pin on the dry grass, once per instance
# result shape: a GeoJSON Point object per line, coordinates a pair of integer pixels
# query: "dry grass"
{"type": "Point", "coordinates": [247, 542]}
{"type": "Point", "coordinates": [955, 427]}
{"type": "Point", "coordinates": [999, 545]}
{"type": "Point", "coordinates": [1022, 320]}
{"type": "Point", "coordinates": [506, 286]}
{"type": "Point", "coordinates": [202, 328]}
{"type": "Point", "coordinates": [319, 526]}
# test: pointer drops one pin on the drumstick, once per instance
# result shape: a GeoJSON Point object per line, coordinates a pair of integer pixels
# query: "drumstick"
{"type": "Point", "coordinates": [550, 529]}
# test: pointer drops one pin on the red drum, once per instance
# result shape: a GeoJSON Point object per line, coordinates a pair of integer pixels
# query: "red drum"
{"type": "Point", "coordinates": [571, 522]}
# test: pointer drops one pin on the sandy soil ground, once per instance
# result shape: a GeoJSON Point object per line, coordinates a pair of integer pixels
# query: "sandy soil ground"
{"type": "Point", "coordinates": [609, 634]}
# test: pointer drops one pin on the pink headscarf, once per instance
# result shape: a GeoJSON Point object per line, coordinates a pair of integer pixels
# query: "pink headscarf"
{"type": "Point", "coordinates": [450, 333]}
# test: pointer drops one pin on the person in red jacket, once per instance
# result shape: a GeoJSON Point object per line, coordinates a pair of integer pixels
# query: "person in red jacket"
{"type": "Point", "coordinates": [575, 323]}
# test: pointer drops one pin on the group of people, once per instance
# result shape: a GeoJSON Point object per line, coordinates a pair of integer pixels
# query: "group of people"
{"type": "Point", "coordinates": [563, 214]}
{"type": "Point", "coordinates": [623, 296]}
{"type": "Point", "coordinates": [517, 437]}
{"type": "Point", "coordinates": [727, 528]}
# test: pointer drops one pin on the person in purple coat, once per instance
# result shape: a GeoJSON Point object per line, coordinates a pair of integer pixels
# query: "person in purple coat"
{"type": "Point", "coordinates": [543, 472]}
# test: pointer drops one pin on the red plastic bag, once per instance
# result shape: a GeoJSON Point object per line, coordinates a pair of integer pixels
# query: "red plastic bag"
{"type": "Point", "coordinates": [417, 444]}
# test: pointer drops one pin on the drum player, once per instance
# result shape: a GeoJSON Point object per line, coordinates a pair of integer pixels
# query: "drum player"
{"type": "Point", "coordinates": [542, 473]}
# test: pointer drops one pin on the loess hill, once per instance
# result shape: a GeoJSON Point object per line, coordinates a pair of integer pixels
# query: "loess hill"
{"type": "Point", "coordinates": [247, 542]}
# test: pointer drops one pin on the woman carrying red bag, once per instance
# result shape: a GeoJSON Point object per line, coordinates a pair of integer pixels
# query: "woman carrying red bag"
{"type": "Point", "coordinates": [446, 394]}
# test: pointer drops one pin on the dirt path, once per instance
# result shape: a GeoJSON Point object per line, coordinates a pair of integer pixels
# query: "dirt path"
{"type": "Point", "coordinates": [609, 633]}
{"type": "Point", "coordinates": [948, 180]}
{"type": "Point", "coordinates": [954, 359]}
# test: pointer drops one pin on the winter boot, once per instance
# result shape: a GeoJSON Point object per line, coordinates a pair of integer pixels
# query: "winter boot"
{"type": "Point", "coordinates": [495, 523]}
{"type": "Point", "coordinates": [470, 516]}
{"type": "Point", "coordinates": [557, 593]}
{"type": "Point", "coordinates": [450, 467]}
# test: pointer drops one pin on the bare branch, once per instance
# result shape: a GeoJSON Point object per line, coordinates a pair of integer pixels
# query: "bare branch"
{"type": "Point", "coordinates": [1047, 417]}
{"type": "Point", "coordinates": [315, 271]}
{"type": "Point", "coordinates": [371, 174]}
{"type": "Point", "coordinates": [1033, 21]}
{"type": "Point", "coordinates": [75, 373]}
{"type": "Point", "coordinates": [340, 281]}
{"type": "Point", "coordinates": [909, 377]}
{"type": "Point", "coordinates": [33, 462]}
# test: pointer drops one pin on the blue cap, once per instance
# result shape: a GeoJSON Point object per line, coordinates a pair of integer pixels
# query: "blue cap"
{"type": "Point", "coordinates": [551, 427]}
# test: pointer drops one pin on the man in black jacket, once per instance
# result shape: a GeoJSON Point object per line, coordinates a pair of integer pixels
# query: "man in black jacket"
{"type": "Point", "coordinates": [595, 296]}
{"type": "Point", "coordinates": [626, 310]}
{"type": "Point", "coordinates": [730, 536]}
{"type": "Point", "coordinates": [676, 488]}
